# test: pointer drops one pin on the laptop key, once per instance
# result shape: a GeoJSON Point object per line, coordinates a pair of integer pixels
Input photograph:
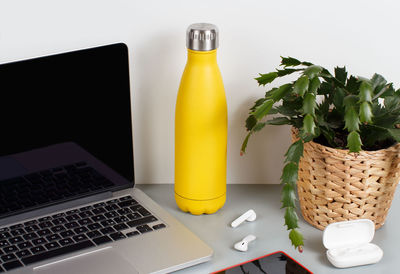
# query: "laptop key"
{"type": "Point", "coordinates": [66, 241]}
{"type": "Point", "coordinates": [99, 205]}
{"type": "Point", "coordinates": [85, 208]}
{"type": "Point", "coordinates": [23, 253]}
{"type": "Point", "coordinates": [80, 230]}
{"type": "Point", "coordinates": [127, 203]}
{"type": "Point", "coordinates": [44, 219]}
{"type": "Point", "coordinates": [67, 233]}
{"type": "Point", "coordinates": [120, 227]}
{"type": "Point", "coordinates": [125, 198]}
{"type": "Point", "coordinates": [30, 236]}
{"type": "Point", "coordinates": [134, 216]}
{"type": "Point", "coordinates": [37, 249]}
{"type": "Point", "coordinates": [102, 240]}
{"type": "Point", "coordinates": [53, 237]}
{"type": "Point", "coordinates": [16, 240]}
{"type": "Point", "coordinates": [31, 228]}
{"type": "Point", "coordinates": [17, 232]}
{"type": "Point", "coordinates": [94, 234]}
{"type": "Point", "coordinates": [16, 226]}
{"type": "Point", "coordinates": [99, 210]}
{"type": "Point", "coordinates": [4, 243]}
{"type": "Point", "coordinates": [142, 221]}
{"type": "Point", "coordinates": [8, 257]}
{"type": "Point", "coordinates": [59, 221]}
{"type": "Point", "coordinates": [39, 241]}
{"type": "Point", "coordinates": [94, 226]}
{"type": "Point", "coordinates": [86, 221]}
{"type": "Point", "coordinates": [4, 229]}
{"type": "Point", "coordinates": [144, 211]}
{"type": "Point", "coordinates": [111, 214]}
{"type": "Point", "coordinates": [159, 226]}
{"type": "Point", "coordinates": [11, 265]}
{"type": "Point", "coordinates": [44, 232]}
{"type": "Point", "coordinates": [107, 230]}
{"type": "Point", "coordinates": [56, 252]}
{"type": "Point", "coordinates": [144, 228]}
{"type": "Point", "coordinates": [57, 229]}
{"type": "Point", "coordinates": [71, 225]}
{"type": "Point", "coordinates": [98, 218]}
{"type": "Point", "coordinates": [80, 238]}
{"type": "Point", "coordinates": [52, 245]}
{"type": "Point", "coordinates": [108, 222]}
{"type": "Point", "coordinates": [10, 249]}
{"type": "Point", "coordinates": [132, 233]}
{"type": "Point", "coordinates": [124, 211]}
{"type": "Point", "coordinates": [4, 235]}
{"type": "Point", "coordinates": [117, 236]}
{"type": "Point", "coordinates": [24, 245]}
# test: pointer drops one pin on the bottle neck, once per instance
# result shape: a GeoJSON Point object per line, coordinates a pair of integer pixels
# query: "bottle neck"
{"type": "Point", "coordinates": [202, 56]}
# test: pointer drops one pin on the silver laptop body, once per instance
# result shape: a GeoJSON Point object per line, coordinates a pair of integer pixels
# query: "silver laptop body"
{"type": "Point", "coordinates": [54, 174]}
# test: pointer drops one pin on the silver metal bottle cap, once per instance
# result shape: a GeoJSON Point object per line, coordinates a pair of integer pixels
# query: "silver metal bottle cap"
{"type": "Point", "coordinates": [202, 37]}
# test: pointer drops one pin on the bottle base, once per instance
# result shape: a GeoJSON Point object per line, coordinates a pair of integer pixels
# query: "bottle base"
{"type": "Point", "coordinates": [198, 207]}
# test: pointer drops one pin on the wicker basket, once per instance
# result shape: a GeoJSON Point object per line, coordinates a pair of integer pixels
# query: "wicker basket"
{"type": "Point", "coordinates": [335, 185]}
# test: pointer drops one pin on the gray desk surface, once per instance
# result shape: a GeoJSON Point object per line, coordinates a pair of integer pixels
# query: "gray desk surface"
{"type": "Point", "coordinates": [268, 228]}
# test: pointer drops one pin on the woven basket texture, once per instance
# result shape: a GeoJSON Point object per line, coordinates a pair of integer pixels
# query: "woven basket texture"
{"type": "Point", "coordinates": [335, 185]}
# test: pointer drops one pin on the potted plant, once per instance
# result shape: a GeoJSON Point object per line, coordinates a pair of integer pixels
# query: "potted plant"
{"type": "Point", "coordinates": [344, 159]}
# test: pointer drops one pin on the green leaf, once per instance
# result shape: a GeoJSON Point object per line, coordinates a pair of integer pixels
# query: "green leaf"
{"type": "Point", "coordinates": [365, 113]}
{"type": "Point", "coordinates": [378, 82]}
{"type": "Point", "coordinates": [341, 74]}
{"type": "Point", "coordinates": [325, 88]}
{"type": "Point", "coordinates": [281, 92]}
{"type": "Point", "coordinates": [269, 93]}
{"type": "Point", "coordinates": [309, 125]}
{"type": "Point", "coordinates": [392, 103]}
{"type": "Point", "coordinates": [291, 218]}
{"type": "Point", "coordinates": [288, 196]}
{"type": "Point", "coordinates": [395, 133]}
{"type": "Point", "coordinates": [309, 104]}
{"type": "Point", "coordinates": [257, 103]}
{"type": "Point", "coordinates": [353, 85]}
{"type": "Point", "coordinates": [301, 85]}
{"type": "Point", "coordinates": [258, 127]}
{"type": "Point", "coordinates": [263, 109]}
{"type": "Point", "coordinates": [284, 72]}
{"type": "Point", "coordinates": [296, 238]}
{"type": "Point", "coordinates": [244, 144]}
{"type": "Point", "coordinates": [289, 174]}
{"type": "Point", "coordinates": [289, 62]}
{"type": "Point", "coordinates": [354, 142]}
{"type": "Point", "coordinates": [350, 101]}
{"type": "Point", "coordinates": [338, 97]}
{"type": "Point", "coordinates": [251, 121]}
{"type": "Point", "coordinates": [312, 71]}
{"type": "Point", "coordinates": [294, 152]}
{"type": "Point", "coordinates": [277, 121]}
{"type": "Point", "coordinates": [365, 92]}
{"type": "Point", "coordinates": [314, 85]}
{"type": "Point", "coordinates": [351, 120]}
{"type": "Point", "coordinates": [266, 78]}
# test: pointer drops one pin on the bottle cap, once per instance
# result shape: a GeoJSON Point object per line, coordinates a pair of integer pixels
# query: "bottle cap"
{"type": "Point", "coordinates": [202, 37]}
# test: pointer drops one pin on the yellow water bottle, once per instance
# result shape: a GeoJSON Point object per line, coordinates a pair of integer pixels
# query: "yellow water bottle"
{"type": "Point", "coordinates": [201, 126]}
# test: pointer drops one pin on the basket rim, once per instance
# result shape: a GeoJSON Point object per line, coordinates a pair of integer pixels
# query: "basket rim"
{"type": "Point", "coordinates": [345, 152]}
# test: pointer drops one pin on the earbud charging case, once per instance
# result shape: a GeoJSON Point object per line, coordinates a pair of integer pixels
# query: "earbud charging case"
{"type": "Point", "coordinates": [348, 243]}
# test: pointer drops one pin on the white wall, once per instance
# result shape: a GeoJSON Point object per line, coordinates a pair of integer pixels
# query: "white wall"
{"type": "Point", "coordinates": [361, 34]}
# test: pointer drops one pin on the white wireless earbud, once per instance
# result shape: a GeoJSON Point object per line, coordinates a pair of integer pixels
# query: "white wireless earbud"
{"type": "Point", "coordinates": [243, 245]}
{"type": "Point", "coordinates": [249, 216]}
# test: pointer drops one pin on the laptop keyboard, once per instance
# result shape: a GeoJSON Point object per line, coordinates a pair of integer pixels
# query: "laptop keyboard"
{"type": "Point", "coordinates": [88, 226]}
{"type": "Point", "coordinates": [49, 186]}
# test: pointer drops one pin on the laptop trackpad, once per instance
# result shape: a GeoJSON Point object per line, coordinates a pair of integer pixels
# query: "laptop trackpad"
{"type": "Point", "coordinates": [103, 261]}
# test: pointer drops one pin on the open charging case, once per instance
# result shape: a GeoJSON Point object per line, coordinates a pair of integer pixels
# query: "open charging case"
{"type": "Point", "coordinates": [349, 243]}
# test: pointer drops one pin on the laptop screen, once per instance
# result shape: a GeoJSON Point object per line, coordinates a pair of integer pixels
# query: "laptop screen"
{"type": "Point", "coordinates": [80, 97]}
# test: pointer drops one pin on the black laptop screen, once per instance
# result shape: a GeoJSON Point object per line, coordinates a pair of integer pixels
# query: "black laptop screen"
{"type": "Point", "coordinates": [80, 97]}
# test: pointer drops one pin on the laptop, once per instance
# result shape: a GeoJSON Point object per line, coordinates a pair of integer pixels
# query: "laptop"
{"type": "Point", "coordinates": [67, 197]}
